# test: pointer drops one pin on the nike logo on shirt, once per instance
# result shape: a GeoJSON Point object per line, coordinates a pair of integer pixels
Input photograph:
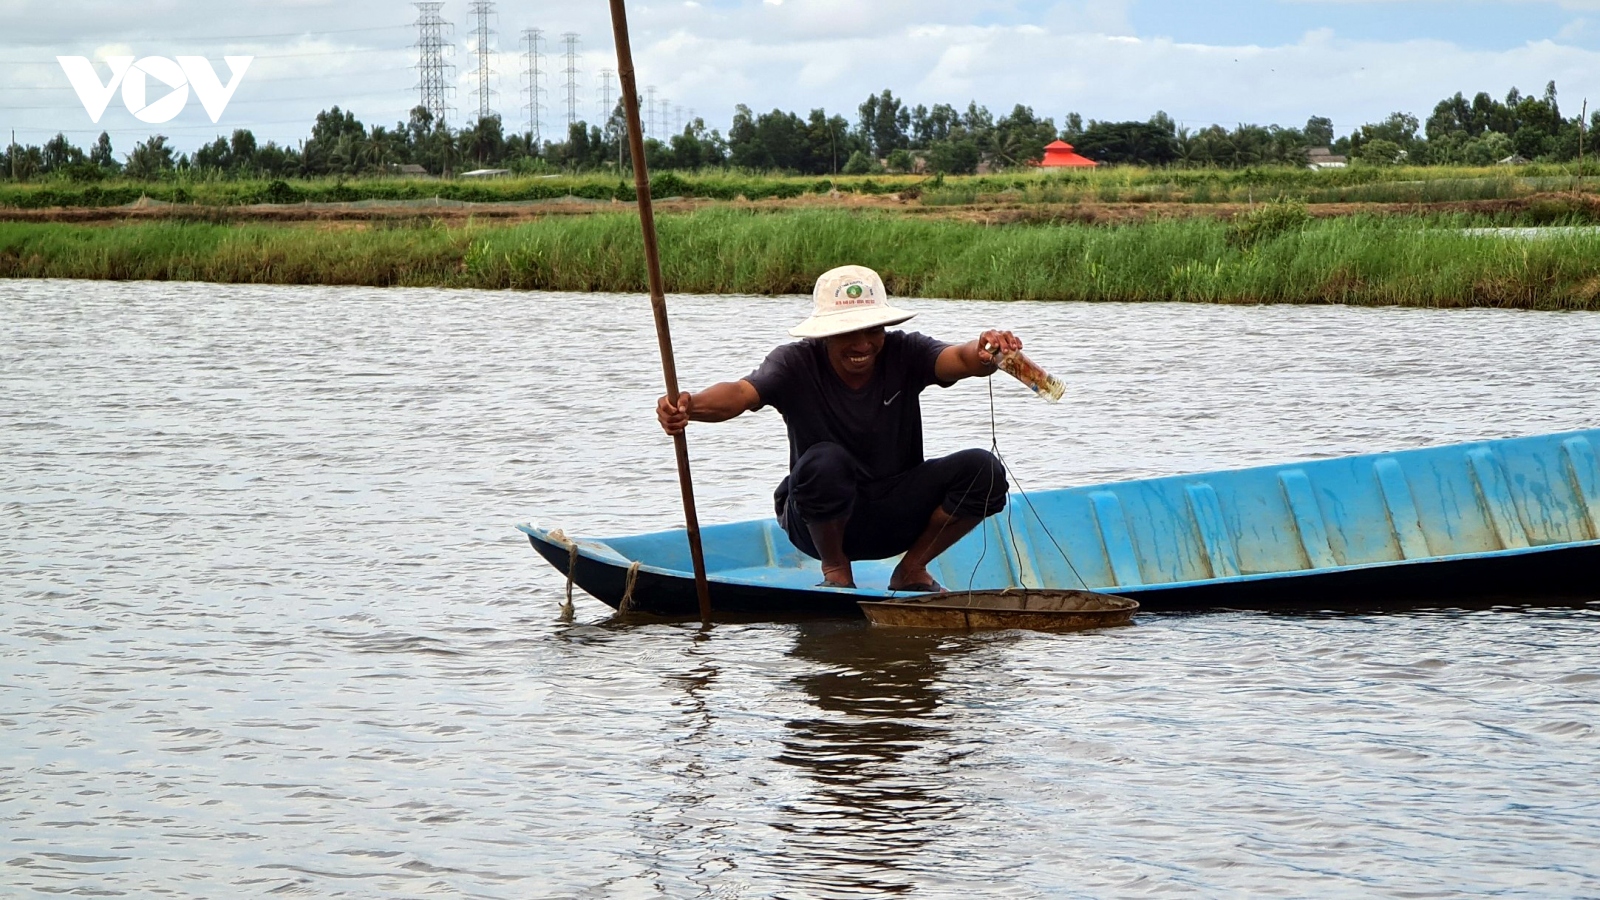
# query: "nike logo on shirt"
{"type": "Point", "coordinates": [891, 399]}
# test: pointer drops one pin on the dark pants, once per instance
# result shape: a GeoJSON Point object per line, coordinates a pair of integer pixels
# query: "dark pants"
{"type": "Point", "coordinates": [887, 515]}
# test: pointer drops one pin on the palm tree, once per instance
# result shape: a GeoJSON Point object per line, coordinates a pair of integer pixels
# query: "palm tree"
{"type": "Point", "coordinates": [1007, 146]}
{"type": "Point", "coordinates": [1192, 149]}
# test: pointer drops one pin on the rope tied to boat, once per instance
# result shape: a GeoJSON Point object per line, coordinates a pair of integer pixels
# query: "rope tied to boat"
{"type": "Point", "coordinates": [627, 588]}
{"type": "Point", "coordinates": [561, 538]}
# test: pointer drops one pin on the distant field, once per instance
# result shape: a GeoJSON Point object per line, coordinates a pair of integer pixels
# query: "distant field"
{"type": "Point", "coordinates": [1276, 253]}
{"type": "Point", "coordinates": [1111, 186]}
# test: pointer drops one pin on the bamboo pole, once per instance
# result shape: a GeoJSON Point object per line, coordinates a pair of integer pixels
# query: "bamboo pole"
{"type": "Point", "coordinates": [658, 297]}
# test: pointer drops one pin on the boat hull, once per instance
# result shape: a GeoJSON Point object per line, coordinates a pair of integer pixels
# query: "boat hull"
{"type": "Point", "coordinates": [1555, 576]}
{"type": "Point", "coordinates": [1514, 520]}
{"type": "Point", "coordinates": [669, 594]}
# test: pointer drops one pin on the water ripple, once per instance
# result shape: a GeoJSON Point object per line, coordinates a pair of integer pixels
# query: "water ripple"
{"type": "Point", "coordinates": [266, 628]}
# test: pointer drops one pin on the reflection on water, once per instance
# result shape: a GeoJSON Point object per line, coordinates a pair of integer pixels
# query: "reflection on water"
{"type": "Point", "coordinates": [265, 625]}
{"type": "Point", "coordinates": [692, 725]}
{"type": "Point", "coordinates": [878, 754]}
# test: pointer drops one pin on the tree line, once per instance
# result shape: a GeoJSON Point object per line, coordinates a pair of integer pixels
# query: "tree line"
{"type": "Point", "coordinates": [886, 135]}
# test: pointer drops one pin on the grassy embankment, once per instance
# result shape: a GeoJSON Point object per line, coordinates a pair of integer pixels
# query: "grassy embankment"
{"type": "Point", "coordinates": [1416, 185]}
{"type": "Point", "coordinates": [1276, 255]}
{"type": "Point", "coordinates": [1110, 185]}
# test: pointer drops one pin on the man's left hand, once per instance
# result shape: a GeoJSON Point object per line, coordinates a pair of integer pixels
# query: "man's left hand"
{"type": "Point", "coordinates": [979, 358]}
{"type": "Point", "coordinates": [992, 343]}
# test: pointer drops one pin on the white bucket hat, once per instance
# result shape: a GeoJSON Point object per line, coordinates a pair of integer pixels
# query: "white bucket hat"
{"type": "Point", "coordinates": [848, 299]}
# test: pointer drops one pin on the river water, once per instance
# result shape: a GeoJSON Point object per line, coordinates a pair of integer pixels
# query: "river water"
{"type": "Point", "coordinates": [267, 626]}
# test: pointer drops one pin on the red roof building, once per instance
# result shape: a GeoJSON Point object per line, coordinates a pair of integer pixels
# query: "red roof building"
{"type": "Point", "coordinates": [1060, 154]}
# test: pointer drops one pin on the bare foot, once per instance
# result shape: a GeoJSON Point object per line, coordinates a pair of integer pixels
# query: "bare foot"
{"type": "Point", "coordinates": [839, 574]}
{"type": "Point", "coordinates": [917, 580]}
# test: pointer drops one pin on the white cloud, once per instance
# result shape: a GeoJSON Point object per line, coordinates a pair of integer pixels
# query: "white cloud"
{"type": "Point", "coordinates": [1116, 76]}
{"type": "Point", "coordinates": [106, 51]}
{"type": "Point", "coordinates": [1563, 4]}
{"type": "Point", "coordinates": [1575, 30]}
{"type": "Point", "coordinates": [1076, 55]}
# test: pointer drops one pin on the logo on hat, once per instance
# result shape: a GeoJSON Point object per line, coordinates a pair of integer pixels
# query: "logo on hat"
{"type": "Point", "coordinates": [853, 292]}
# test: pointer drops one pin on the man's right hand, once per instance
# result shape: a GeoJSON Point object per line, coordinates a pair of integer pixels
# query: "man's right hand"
{"type": "Point", "coordinates": [674, 417]}
{"type": "Point", "coordinates": [717, 403]}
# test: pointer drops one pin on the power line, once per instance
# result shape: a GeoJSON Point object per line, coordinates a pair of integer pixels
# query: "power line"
{"type": "Point", "coordinates": [650, 111]}
{"type": "Point", "coordinates": [254, 101]}
{"type": "Point", "coordinates": [533, 38]}
{"type": "Point", "coordinates": [166, 127]}
{"type": "Point", "coordinates": [329, 52]}
{"type": "Point", "coordinates": [481, 10]}
{"type": "Point", "coordinates": [170, 38]}
{"type": "Point", "coordinates": [51, 63]}
{"type": "Point", "coordinates": [387, 71]}
{"type": "Point", "coordinates": [431, 49]}
{"type": "Point", "coordinates": [242, 37]}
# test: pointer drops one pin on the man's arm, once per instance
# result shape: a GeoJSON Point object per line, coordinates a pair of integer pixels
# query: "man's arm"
{"type": "Point", "coordinates": [717, 403]}
{"type": "Point", "coordinates": [974, 358]}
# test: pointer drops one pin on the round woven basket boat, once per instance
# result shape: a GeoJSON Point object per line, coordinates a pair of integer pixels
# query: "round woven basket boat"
{"type": "Point", "coordinates": [1028, 608]}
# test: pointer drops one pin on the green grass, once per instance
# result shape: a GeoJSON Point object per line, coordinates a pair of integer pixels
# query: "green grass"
{"type": "Point", "coordinates": [1359, 184]}
{"type": "Point", "coordinates": [1354, 260]}
{"type": "Point", "coordinates": [716, 185]}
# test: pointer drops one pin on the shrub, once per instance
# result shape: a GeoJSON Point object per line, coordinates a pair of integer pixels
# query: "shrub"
{"type": "Point", "coordinates": [668, 184]}
{"type": "Point", "coordinates": [277, 191]}
{"type": "Point", "coordinates": [861, 164]}
{"type": "Point", "coordinates": [954, 157]}
{"type": "Point", "coordinates": [1266, 222]}
{"type": "Point", "coordinates": [1380, 152]}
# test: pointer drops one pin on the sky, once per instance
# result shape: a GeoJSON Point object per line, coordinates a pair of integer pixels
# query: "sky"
{"type": "Point", "coordinates": [1227, 62]}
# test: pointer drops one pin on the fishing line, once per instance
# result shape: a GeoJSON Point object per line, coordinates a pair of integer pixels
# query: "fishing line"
{"type": "Point", "coordinates": [946, 524]}
{"type": "Point", "coordinates": [994, 447]}
{"type": "Point", "coordinates": [984, 552]}
{"type": "Point", "coordinates": [1016, 547]}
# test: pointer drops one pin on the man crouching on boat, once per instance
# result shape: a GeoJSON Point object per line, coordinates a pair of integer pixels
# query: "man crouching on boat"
{"type": "Point", "coordinates": [858, 486]}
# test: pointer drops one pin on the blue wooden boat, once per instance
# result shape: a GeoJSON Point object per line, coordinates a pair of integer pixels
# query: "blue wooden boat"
{"type": "Point", "coordinates": [1516, 518]}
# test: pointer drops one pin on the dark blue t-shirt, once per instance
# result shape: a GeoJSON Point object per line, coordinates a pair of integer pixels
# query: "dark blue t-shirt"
{"type": "Point", "coordinates": [880, 424]}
